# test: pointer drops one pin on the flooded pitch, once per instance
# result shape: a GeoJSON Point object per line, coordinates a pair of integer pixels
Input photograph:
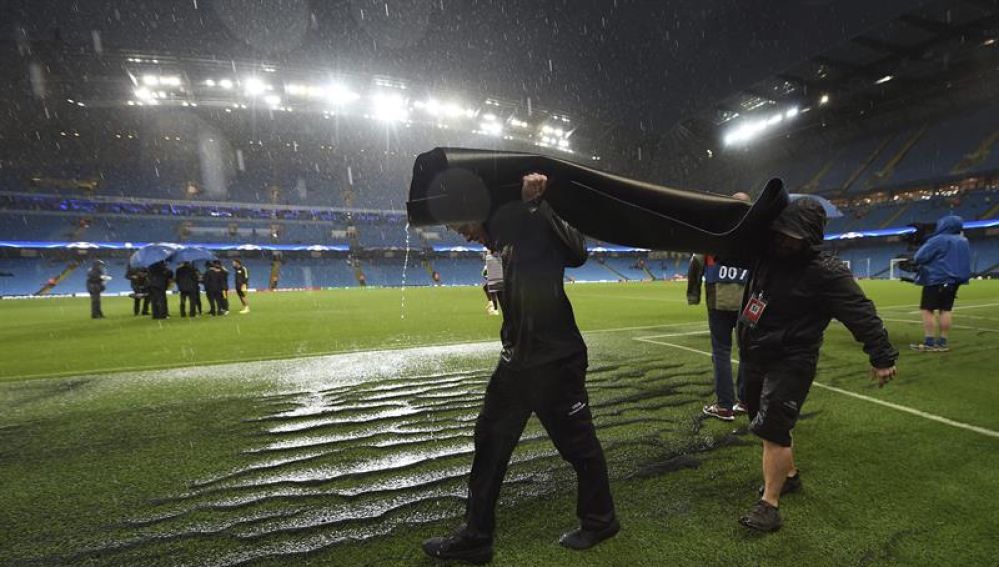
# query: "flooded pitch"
{"type": "Point", "coordinates": [349, 447]}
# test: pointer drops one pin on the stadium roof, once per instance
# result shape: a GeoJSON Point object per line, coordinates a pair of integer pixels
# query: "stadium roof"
{"type": "Point", "coordinates": [628, 70]}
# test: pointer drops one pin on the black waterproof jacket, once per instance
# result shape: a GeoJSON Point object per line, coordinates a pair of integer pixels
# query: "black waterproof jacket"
{"type": "Point", "coordinates": [216, 280]}
{"type": "Point", "coordinates": [536, 246]}
{"type": "Point", "coordinates": [159, 276]}
{"type": "Point", "coordinates": [804, 293]}
{"type": "Point", "coordinates": [187, 279]}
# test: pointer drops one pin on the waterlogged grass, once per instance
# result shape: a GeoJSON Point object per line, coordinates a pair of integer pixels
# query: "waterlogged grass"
{"type": "Point", "coordinates": [353, 459]}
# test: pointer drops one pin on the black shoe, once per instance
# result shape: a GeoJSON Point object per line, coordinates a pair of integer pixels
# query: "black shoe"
{"type": "Point", "coordinates": [762, 517]}
{"type": "Point", "coordinates": [460, 546]}
{"type": "Point", "coordinates": [580, 539]}
{"type": "Point", "coordinates": [791, 485]}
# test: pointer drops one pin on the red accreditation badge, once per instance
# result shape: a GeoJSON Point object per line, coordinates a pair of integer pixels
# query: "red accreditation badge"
{"type": "Point", "coordinates": [754, 309]}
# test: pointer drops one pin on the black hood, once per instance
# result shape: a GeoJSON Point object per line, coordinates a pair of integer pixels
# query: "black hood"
{"type": "Point", "coordinates": [804, 219]}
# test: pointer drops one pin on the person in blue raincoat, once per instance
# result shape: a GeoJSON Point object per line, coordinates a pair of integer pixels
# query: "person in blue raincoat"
{"type": "Point", "coordinates": [943, 265]}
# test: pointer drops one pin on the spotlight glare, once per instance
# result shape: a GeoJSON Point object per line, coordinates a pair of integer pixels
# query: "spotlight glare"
{"type": "Point", "coordinates": [824, 99]}
{"type": "Point", "coordinates": [339, 95]}
{"type": "Point", "coordinates": [150, 80]}
{"type": "Point", "coordinates": [389, 108]}
{"type": "Point", "coordinates": [225, 84]}
{"type": "Point", "coordinates": [491, 128]}
{"type": "Point", "coordinates": [144, 94]}
{"type": "Point", "coordinates": [273, 100]}
{"type": "Point", "coordinates": [254, 86]}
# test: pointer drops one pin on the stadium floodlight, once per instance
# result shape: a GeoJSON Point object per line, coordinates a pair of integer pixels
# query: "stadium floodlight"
{"type": "Point", "coordinates": [273, 100]}
{"type": "Point", "coordinates": [338, 95]}
{"type": "Point", "coordinates": [150, 80]}
{"type": "Point", "coordinates": [884, 79]}
{"type": "Point", "coordinates": [489, 116]}
{"type": "Point", "coordinates": [775, 119]}
{"type": "Point", "coordinates": [144, 94]}
{"type": "Point", "coordinates": [254, 86]}
{"type": "Point", "coordinates": [491, 128]}
{"type": "Point", "coordinates": [546, 129]}
{"type": "Point", "coordinates": [210, 82]}
{"type": "Point", "coordinates": [170, 81]}
{"type": "Point", "coordinates": [563, 143]}
{"type": "Point", "coordinates": [791, 112]}
{"type": "Point", "coordinates": [389, 108]}
{"type": "Point", "coordinates": [824, 99]}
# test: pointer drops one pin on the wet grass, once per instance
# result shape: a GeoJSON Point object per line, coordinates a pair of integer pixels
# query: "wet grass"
{"type": "Point", "coordinates": [353, 459]}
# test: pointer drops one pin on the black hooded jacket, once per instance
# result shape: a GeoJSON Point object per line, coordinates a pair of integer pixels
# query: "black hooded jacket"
{"type": "Point", "coordinates": [803, 293]}
{"type": "Point", "coordinates": [536, 246]}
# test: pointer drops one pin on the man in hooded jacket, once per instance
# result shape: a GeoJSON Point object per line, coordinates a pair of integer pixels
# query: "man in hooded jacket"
{"type": "Point", "coordinates": [794, 292]}
{"type": "Point", "coordinates": [944, 264]}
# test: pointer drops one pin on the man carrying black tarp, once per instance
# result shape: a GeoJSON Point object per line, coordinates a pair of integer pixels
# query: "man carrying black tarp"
{"type": "Point", "coordinates": [794, 292]}
{"type": "Point", "coordinates": [542, 370]}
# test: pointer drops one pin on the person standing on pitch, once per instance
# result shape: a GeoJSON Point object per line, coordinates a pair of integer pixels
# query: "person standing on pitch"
{"type": "Point", "coordinates": [216, 283]}
{"type": "Point", "coordinates": [793, 294]}
{"type": "Point", "coordinates": [139, 279]}
{"type": "Point", "coordinates": [187, 285]}
{"type": "Point", "coordinates": [159, 281]}
{"type": "Point", "coordinates": [723, 289]}
{"type": "Point", "coordinates": [542, 370]}
{"type": "Point", "coordinates": [493, 273]}
{"type": "Point", "coordinates": [242, 280]}
{"type": "Point", "coordinates": [95, 285]}
{"type": "Point", "coordinates": [944, 264]}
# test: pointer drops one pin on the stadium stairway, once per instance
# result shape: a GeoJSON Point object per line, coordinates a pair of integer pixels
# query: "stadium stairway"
{"type": "Point", "coordinates": [978, 156]}
{"type": "Point", "coordinates": [815, 182]}
{"type": "Point", "coordinates": [611, 269]}
{"type": "Point", "coordinates": [885, 173]}
{"type": "Point", "coordinates": [895, 215]}
{"type": "Point", "coordinates": [864, 165]}
{"type": "Point", "coordinates": [66, 272]}
{"type": "Point", "coordinates": [648, 272]}
{"type": "Point", "coordinates": [991, 212]}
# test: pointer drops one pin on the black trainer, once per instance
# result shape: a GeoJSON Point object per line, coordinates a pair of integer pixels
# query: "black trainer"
{"type": "Point", "coordinates": [791, 485]}
{"type": "Point", "coordinates": [460, 546]}
{"type": "Point", "coordinates": [580, 539]}
{"type": "Point", "coordinates": [762, 517]}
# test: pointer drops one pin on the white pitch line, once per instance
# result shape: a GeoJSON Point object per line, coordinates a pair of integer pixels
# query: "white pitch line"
{"type": "Point", "coordinates": [646, 327]}
{"type": "Point", "coordinates": [687, 334]}
{"type": "Point", "coordinates": [962, 307]}
{"type": "Point", "coordinates": [952, 326]}
{"type": "Point", "coordinates": [906, 409]}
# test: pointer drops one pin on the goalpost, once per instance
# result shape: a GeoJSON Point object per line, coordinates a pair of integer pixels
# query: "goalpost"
{"type": "Point", "coordinates": [894, 272]}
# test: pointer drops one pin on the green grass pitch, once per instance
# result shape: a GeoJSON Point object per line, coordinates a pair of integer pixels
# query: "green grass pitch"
{"type": "Point", "coordinates": [334, 428]}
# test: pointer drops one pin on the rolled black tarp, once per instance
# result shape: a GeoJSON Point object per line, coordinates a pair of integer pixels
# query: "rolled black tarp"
{"type": "Point", "coordinates": [458, 185]}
